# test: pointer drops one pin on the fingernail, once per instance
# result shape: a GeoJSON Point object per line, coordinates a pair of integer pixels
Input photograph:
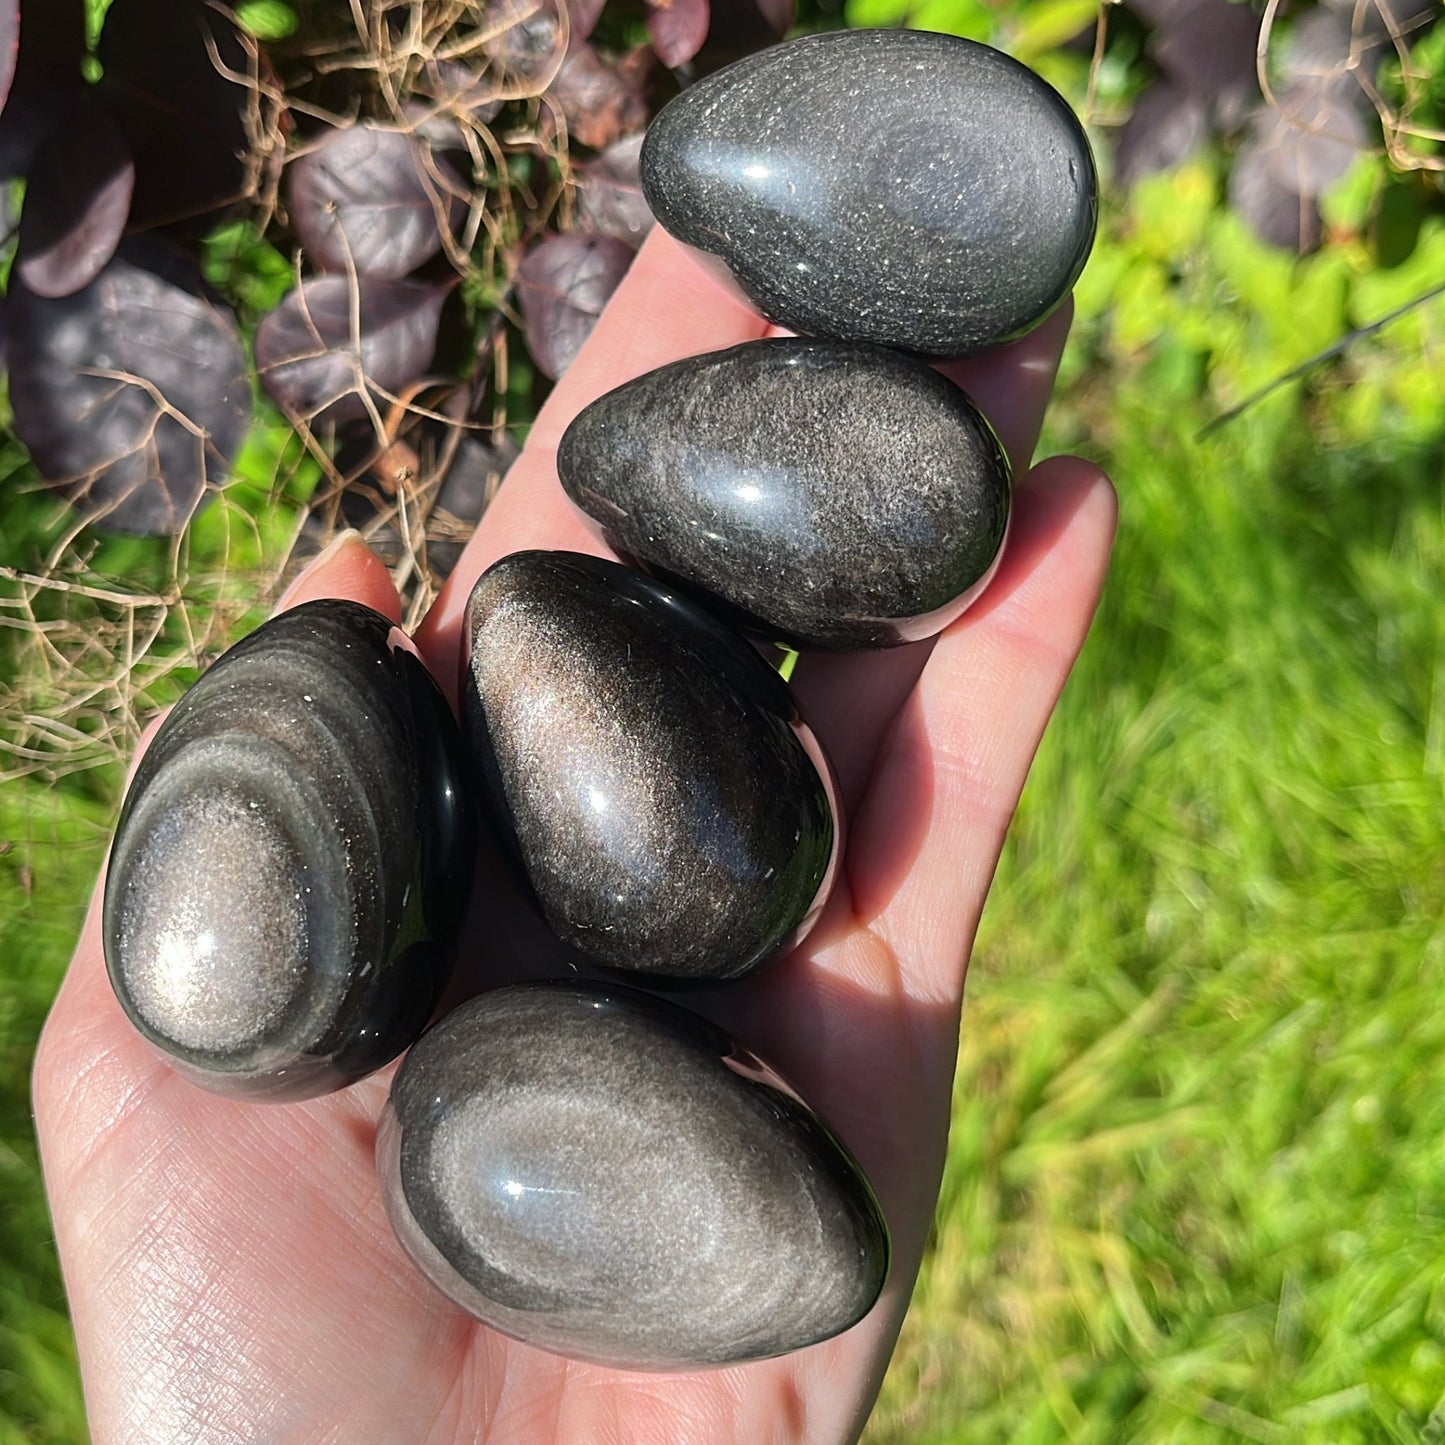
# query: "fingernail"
{"type": "Point", "coordinates": [328, 554]}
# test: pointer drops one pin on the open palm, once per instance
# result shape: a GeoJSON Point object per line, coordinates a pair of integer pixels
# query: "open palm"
{"type": "Point", "coordinates": [232, 1276]}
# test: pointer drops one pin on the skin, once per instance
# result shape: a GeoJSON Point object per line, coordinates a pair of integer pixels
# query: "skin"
{"type": "Point", "coordinates": [230, 1271]}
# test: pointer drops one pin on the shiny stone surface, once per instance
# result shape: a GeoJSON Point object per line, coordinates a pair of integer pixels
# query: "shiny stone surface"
{"type": "Point", "coordinates": [608, 1177]}
{"type": "Point", "coordinates": [911, 189]}
{"type": "Point", "coordinates": [833, 495]}
{"type": "Point", "coordinates": [645, 766]}
{"type": "Point", "coordinates": [292, 860]}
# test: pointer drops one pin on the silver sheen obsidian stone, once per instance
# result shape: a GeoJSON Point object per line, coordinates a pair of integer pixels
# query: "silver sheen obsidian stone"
{"type": "Point", "coordinates": [911, 189]}
{"type": "Point", "coordinates": [830, 494]}
{"type": "Point", "coordinates": [645, 767]}
{"type": "Point", "coordinates": [606, 1176]}
{"type": "Point", "coordinates": [293, 859]}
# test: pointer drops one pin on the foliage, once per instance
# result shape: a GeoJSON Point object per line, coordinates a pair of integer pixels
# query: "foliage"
{"type": "Point", "coordinates": [1193, 1187]}
{"type": "Point", "coordinates": [51, 844]}
{"type": "Point", "coordinates": [1157, 78]}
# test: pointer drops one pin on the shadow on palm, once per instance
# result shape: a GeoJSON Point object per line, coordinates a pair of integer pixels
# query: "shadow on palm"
{"type": "Point", "coordinates": [230, 1268]}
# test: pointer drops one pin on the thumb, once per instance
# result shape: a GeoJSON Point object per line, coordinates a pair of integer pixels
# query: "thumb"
{"type": "Point", "coordinates": [346, 568]}
{"type": "Point", "coordinates": [85, 1009]}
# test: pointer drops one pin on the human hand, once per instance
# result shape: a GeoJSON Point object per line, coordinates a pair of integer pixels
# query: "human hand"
{"type": "Point", "coordinates": [231, 1273]}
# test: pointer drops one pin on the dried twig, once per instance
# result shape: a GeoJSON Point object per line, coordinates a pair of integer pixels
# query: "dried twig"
{"type": "Point", "coordinates": [1330, 353]}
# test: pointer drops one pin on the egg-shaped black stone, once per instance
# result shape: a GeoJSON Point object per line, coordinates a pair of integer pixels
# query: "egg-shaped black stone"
{"type": "Point", "coordinates": [646, 768]}
{"type": "Point", "coordinates": [293, 859]}
{"type": "Point", "coordinates": [609, 1177]}
{"type": "Point", "coordinates": [895, 186]}
{"type": "Point", "coordinates": [831, 494]}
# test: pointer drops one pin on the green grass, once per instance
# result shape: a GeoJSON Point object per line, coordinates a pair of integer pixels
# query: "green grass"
{"type": "Point", "coordinates": [52, 841]}
{"type": "Point", "coordinates": [1197, 1179]}
{"type": "Point", "coordinates": [1196, 1184]}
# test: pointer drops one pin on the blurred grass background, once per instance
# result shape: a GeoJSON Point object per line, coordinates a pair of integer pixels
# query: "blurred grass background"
{"type": "Point", "coordinates": [1196, 1183]}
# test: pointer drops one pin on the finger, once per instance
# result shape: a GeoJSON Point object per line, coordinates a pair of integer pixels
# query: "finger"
{"type": "Point", "coordinates": [347, 567]}
{"type": "Point", "coordinates": [851, 699]}
{"type": "Point", "coordinates": [1011, 386]}
{"type": "Point", "coordinates": [182, 1218]}
{"type": "Point", "coordinates": [879, 981]}
{"type": "Point", "coordinates": [86, 1022]}
{"type": "Point", "coordinates": [950, 770]}
{"type": "Point", "coordinates": [666, 308]}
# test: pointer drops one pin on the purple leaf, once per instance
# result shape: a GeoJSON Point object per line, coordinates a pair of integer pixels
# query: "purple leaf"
{"type": "Point", "coordinates": [309, 361]}
{"type": "Point", "coordinates": [176, 76]}
{"type": "Point", "coordinates": [677, 29]}
{"type": "Point", "coordinates": [45, 81]}
{"type": "Point", "coordinates": [1290, 156]}
{"type": "Point", "coordinates": [9, 44]}
{"type": "Point", "coordinates": [778, 13]}
{"type": "Point", "coordinates": [77, 201]}
{"type": "Point", "coordinates": [582, 18]}
{"type": "Point", "coordinates": [1320, 45]}
{"type": "Point", "coordinates": [133, 395]}
{"type": "Point", "coordinates": [1347, 39]}
{"type": "Point", "coordinates": [52, 42]}
{"type": "Point", "coordinates": [1276, 214]}
{"type": "Point", "coordinates": [526, 42]}
{"type": "Point", "coordinates": [601, 100]}
{"type": "Point", "coordinates": [372, 196]}
{"type": "Point", "coordinates": [1326, 55]}
{"type": "Point", "coordinates": [564, 284]}
{"type": "Point", "coordinates": [31, 117]}
{"type": "Point", "coordinates": [1312, 139]}
{"type": "Point", "coordinates": [738, 28]}
{"type": "Point", "coordinates": [1208, 48]}
{"type": "Point", "coordinates": [1167, 123]}
{"type": "Point", "coordinates": [527, 36]}
{"type": "Point", "coordinates": [610, 198]}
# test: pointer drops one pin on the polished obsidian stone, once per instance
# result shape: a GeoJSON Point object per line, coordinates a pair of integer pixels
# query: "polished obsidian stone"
{"type": "Point", "coordinates": [911, 189]}
{"type": "Point", "coordinates": [831, 494]}
{"type": "Point", "coordinates": [609, 1177]}
{"type": "Point", "coordinates": [293, 859]}
{"type": "Point", "coordinates": [645, 766]}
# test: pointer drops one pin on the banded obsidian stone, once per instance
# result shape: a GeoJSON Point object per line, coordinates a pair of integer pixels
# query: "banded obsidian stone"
{"type": "Point", "coordinates": [830, 494]}
{"type": "Point", "coordinates": [645, 767]}
{"type": "Point", "coordinates": [911, 189]}
{"type": "Point", "coordinates": [604, 1175]}
{"type": "Point", "coordinates": [293, 859]}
